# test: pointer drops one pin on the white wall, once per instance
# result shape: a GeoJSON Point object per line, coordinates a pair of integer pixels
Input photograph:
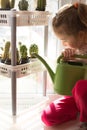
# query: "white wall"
{"type": "Point", "coordinates": [83, 1]}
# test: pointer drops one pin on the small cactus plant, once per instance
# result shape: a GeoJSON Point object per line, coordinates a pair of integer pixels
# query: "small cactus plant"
{"type": "Point", "coordinates": [12, 3]}
{"type": "Point", "coordinates": [33, 49]}
{"type": "Point", "coordinates": [23, 5]}
{"type": "Point", "coordinates": [23, 54]}
{"type": "Point", "coordinates": [18, 58]}
{"type": "Point", "coordinates": [23, 51]}
{"type": "Point", "coordinates": [41, 5]}
{"type": "Point", "coordinates": [7, 4]}
{"type": "Point", "coordinates": [5, 54]}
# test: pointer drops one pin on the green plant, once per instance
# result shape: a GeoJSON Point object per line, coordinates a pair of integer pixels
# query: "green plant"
{"type": "Point", "coordinates": [18, 58]}
{"type": "Point", "coordinates": [23, 54]}
{"type": "Point", "coordinates": [33, 49]}
{"type": "Point", "coordinates": [41, 5]}
{"type": "Point", "coordinates": [12, 3]}
{"type": "Point", "coordinates": [23, 5]}
{"type": "Point", "coordinates": [23, 51]}
{"type": "Point", "coordinates": [7, 4]}
{"type": "Point", "coordinates": [5, 54]}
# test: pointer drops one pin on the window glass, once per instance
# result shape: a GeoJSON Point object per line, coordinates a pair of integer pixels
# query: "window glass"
{"type": "Point", "coordinates": [35, 82]}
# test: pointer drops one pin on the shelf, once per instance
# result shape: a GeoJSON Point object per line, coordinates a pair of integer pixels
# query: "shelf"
{"type": "Point", "coordinates": [13, 19]}
{"type": "Point", "coordinates": [25, 18]}
{"type": "Point", "coordinates": [21, 70]}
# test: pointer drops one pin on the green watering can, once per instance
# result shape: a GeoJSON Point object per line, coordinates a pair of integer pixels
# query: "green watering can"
{"type": "Point", "coordinates": [67, 73]}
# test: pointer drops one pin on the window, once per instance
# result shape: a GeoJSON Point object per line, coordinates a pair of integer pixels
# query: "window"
{"type": "Point", "coordinates": [27, 36]}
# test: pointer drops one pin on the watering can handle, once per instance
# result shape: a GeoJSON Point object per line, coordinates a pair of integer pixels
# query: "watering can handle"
{"type": "Point", "coordinates": [60, 58]}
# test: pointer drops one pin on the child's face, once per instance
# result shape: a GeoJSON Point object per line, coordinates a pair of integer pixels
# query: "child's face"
{"type": "Point", "coordinates": [70, 41]}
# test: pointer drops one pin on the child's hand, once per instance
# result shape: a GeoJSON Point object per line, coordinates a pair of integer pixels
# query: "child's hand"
{"type": "Point", "coordinates": [68, 53]}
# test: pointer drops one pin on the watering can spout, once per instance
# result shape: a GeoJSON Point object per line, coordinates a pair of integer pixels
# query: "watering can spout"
{"type": "Point", "coordinates": [50, 71]}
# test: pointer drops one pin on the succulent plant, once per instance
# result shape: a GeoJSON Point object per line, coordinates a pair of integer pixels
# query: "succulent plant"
{"type": "Point", "coordinates": [18, 58]}
{"type": "Point", "coordinates": [23, 51]}
{"type": "Point", "coordinates": [12, 3]}
{"type": "Point", "coordinates": [23, 5]}
{"type": "Point", "coordinates": [23, 54]}
{"type": "Point", "coordinates": [7, 4]}
{"type": "Point", "coordinates": [33, 49]}
{"type": "Point", "coordinates": [41, 5]}
{"type": "Point", "coordinates": [5, 54]}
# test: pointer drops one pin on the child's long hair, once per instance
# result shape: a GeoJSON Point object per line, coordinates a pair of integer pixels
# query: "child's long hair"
{"type": "Point", "coordinates": [73, 18]}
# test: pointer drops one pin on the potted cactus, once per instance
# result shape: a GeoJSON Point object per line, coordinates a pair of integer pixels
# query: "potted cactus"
{"type": "Point", "coordinates": [7, 4]}
{"type": "Point", "coordinates": [1, 50]}
{"type": "Point", "coordinates": [33, 49]}
{"type": "Point", "coordinates": [41, 5]}
{"type": "Point", "coordinates": [23, 5]}
{"type": "Point", "coordinates": [18, 57]}
{"type": "Point", "coordinates": [5, 56]}
{"type": "Point", "coordinates": [23, 54]}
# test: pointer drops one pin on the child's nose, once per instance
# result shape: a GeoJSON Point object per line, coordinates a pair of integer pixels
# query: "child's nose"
{"type": "Point", "coordinates": [64, 43]}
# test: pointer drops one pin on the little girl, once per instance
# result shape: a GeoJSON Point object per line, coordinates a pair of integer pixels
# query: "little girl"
{"type": "Point", "coordinates": [70, 26]}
